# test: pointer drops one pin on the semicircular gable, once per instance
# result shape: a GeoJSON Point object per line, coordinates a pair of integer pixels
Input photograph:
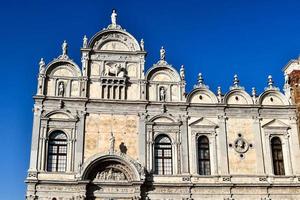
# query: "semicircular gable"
{"type": "Point", "coordinates": [63, 69]}
{"type": "Point", "coordinates": [238, 96]}
{"type": "Point", "coordinates": [273, 97]}
{"type": "Point", "coordinates": [202, 95]}
{"type": "Point", "coordinates": [162, 74]}
{"type": "Point", "coordinates": [116, 40]}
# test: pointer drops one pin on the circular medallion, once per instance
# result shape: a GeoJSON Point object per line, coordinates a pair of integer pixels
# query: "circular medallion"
{"type": "Point", "coordinates": [241, 145]}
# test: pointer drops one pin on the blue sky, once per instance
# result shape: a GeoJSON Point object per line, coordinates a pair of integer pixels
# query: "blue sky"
{"type": "Point", "coordinates": [218, 38]}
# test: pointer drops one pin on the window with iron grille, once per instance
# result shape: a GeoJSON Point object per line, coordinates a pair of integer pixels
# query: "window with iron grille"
{"type": "Point", "coordinates": [277, 155]}
{"type": "Point", "coordinates": [163, 155]}
{"type": "Point", "coordinates": [57, 152]}
{"type": "Point", "coordinates": [203, 156]}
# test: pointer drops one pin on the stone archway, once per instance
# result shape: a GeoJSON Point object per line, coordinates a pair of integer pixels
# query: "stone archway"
{"type": "Point", "coordinates": [112, 177]}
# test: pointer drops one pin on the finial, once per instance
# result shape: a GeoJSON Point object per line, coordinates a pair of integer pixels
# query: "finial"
{"type": "Point", "coordinates": [84, 42]}
{"type": "Point", "coordinates": [271, 84]}
{"type": "Point", "coordinates": [64, 47]}
{"type": "Point", "coordinates": [219, 94]}
{"type": "Point", "coordinates": [235, 81]}
{"type": "Point", "coordinates": [200, 79]}
{"type": "Point", "coordinates": [254, 95]}
{"type": "Point", "coordinates": [182, 75]}
{"type": "Point", "coordinates": [270, 81]}
{"type": "Point", "coordinates": [162, 53]}
{"type": "Point", "coordinates": [114, 17]}
{"type": "Point", "coordinates": [200, 82]}
{"type": "Point", "coordinates": [253, 92]}
{"type": "Point", "coordinates": [142, 44]}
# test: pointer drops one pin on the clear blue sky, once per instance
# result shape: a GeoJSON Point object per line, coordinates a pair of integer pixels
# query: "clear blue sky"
{"type": "Point", "coordinates": [218, 38]}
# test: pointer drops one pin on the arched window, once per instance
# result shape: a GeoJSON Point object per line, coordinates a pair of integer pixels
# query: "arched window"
{"type": "Point", "coordinates": [57, 152]}
{"type": "Point", "coordinates": [163, 155]}
{"type": "Point", "coordinates": [278, 164]}
{"type": "Point", "coordinates": [203, 156]}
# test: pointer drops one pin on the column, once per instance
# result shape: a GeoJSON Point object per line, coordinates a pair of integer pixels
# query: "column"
{"type": "Point", "coordinates": [193, 152]}
{"type": "Point", "coordinates": [294, 146]}
{"type": "Point", "coordinates": [213, 154]}
{"type": "Point", "coordinates": [287, 155]}
{"type": "Point", "coordinates": [79, 144]}
{"type": "Point", "coordinates": [222, 143]}
{"type": "Point", "coordinates": [42, 146]}
{"type": "Point", "coordinates": [142, 139]}
{"type": "Point", "coordinates": [268, 154]}
{"type": "Point", "coordinates": [260, 165]}
{"type": "Point", "coordinates": [184, 146]}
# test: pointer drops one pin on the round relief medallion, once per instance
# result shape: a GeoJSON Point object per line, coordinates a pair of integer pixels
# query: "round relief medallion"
{"type": "Point", "coordinates": [241, 145]}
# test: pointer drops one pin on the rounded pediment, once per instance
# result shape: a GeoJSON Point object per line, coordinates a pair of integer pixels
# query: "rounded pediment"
{"type": "Point", "coordinates": [62, 68]}
{"type": "Point", "coordinates": [238, 96]}
{"type": "Point", "coordinates": [114, 40]}
{"type": "Point", "coordinates": [272, 97]}
{"type": "Point", "coordinates": [162, 74]}
{"type": "Point", "coordinates": [112, 168]}
{"type": "Point", "coordinates": [202, 95]}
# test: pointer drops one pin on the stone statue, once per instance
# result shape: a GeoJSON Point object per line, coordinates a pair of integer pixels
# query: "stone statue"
{"type": "Point", "coordinates": [182, 76]}
{"type": "Point", "coordinates": [64, 47]}
{"type": "Point", "coordinates": [114, 17]}
{"type": "Point", "coordinates": [42, 66]}
{"type": "Point", "coordinates": [85, 42]}
{"type": "Point", "coordinates": [162, 53]}
{"type": "Point", "coordinates": [112, 143]}
{"type": "Point", "coordinates": [142, 44]}
{"type": "Point", "coordinates": [162, 94]}
{"type": "Point", "coordinates": [286, 78]}
{"type": "Point", "coordinates": [61, 89]}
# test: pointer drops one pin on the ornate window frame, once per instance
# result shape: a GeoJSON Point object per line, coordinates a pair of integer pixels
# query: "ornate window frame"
{"type": "Point", "coordinates": [210, 131]}
{"type": "Point", "coordinates": [282, 132]}
{"type": "Point", "coordinates": [49, 125]}
{"type": "Point", "coordinates": [172, 130]}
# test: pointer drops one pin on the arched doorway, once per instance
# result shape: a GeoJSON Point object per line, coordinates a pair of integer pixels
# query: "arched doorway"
{"type": "Point", "coordinates": [113, 177]}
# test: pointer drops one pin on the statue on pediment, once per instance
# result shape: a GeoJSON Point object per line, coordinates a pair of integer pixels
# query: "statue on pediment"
{"type": "Point", "coordinates": [114, 17]}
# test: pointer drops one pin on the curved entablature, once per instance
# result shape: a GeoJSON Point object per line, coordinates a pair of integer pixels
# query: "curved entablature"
{"type": "Point", "coordinates": [238, 96]}
{"type": "Point", "coordinates": [59, 114]}
{"type": "Point", "coordinates": [272, 97]}
{"type": "Point", "coordinates": [202, 95]}
{"type": "Point", "coordinates": [111, 168]}
{"type": "Point", "coordinates": [163, 118]}
{"type": "Point", "coordinates": [114, 40]}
